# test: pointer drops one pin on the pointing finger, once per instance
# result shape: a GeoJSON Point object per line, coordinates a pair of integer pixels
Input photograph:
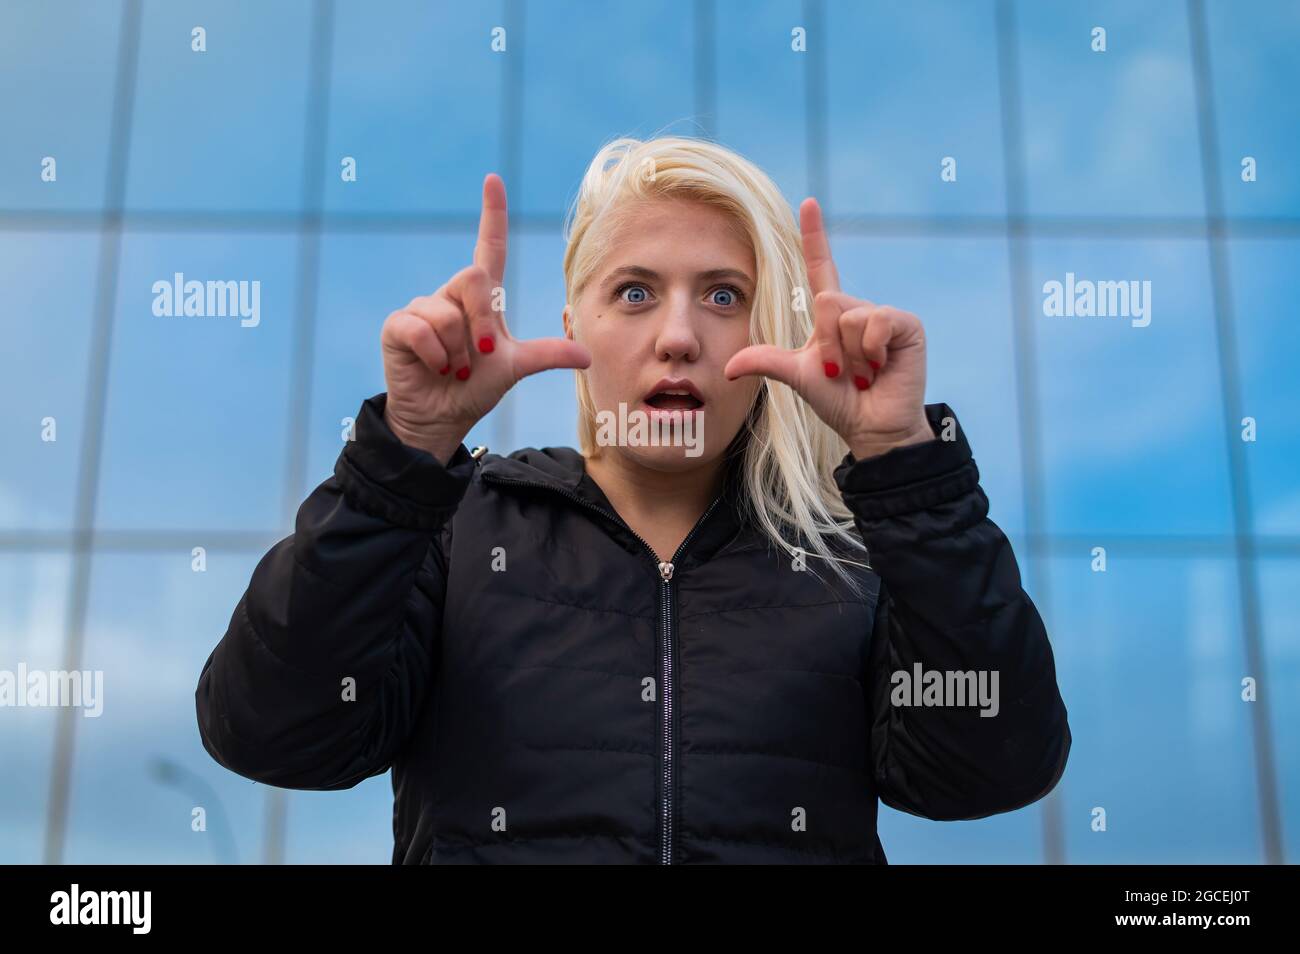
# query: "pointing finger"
{"type": "Point", "coordinates": [822, 274]}
{"type": "Point", "coordinates": [493, 229]}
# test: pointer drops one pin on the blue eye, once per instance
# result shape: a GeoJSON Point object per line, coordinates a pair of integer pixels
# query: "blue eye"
{"type": "Point", "coordinates": [635, 288]}
{"type": "Point", "coordinates": [736, 295]}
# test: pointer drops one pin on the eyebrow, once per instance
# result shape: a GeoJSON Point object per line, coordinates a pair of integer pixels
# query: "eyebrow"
{"type": "Point", "coordinates": [638, 271]}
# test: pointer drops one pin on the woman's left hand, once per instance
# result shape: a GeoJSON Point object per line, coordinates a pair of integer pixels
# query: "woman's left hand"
{"type": "Point", "coordinates": [863, 367]}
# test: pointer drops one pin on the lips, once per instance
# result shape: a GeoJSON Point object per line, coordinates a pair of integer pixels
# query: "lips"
{"type": "Point", "coordinates": [675, 394]}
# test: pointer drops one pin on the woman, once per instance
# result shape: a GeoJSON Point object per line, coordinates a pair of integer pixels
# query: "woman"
{"type": "Point", "coordinates": [724, 645]}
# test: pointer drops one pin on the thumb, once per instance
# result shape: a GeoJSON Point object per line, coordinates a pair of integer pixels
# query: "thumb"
{"type": "Point", "coordinates": [768, 360]}
{"type": "Point", "coordinates": [543, 354]}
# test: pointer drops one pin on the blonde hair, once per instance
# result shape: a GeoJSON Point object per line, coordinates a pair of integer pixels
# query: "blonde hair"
{"type": "Point", "coordinates": [788, 453]}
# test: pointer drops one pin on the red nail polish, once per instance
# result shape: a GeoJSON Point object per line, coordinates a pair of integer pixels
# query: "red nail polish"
{"type": "Point", "coordinates": [463, 373]}
{"type": "Point", "coordinates": [875, 365]}
{"type": "Point", "coordinates": [832, 369]}
{"type": "Point", "coordinates": [486, 345]}
{"type": "Point", "coordinates": [861, 382]}
{"type": "Point", "coordinates": [445, 370]}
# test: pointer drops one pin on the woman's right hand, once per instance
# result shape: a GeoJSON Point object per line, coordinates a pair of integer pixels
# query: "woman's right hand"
{"type": "Point", "coordinates": [449, 358]}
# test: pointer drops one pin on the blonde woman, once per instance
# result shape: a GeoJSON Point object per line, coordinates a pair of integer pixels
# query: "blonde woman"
{"type": "Point", "coordinates": [763, 595]}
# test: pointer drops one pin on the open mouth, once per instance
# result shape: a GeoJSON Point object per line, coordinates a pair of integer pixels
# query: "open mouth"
{"type": "Point", "coordinates": [673, 401]}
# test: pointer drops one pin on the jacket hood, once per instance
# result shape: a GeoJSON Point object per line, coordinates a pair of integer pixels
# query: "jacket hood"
{"type": "Point", "coordinates": [561, 467]}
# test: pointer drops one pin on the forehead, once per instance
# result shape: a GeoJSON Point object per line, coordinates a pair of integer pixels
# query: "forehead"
{"type": "Point", "coordinates": [668, 233]}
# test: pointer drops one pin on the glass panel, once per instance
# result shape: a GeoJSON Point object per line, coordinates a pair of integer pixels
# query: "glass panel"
{"type": "Point", "coordinates": [1266, 285]}
{"type": "Point", "coordinates": [1149, 658]}
{"type": "Point", "coordinates": [416, 101]}
{"type": "Point", "coordinates": [1114, 132]}
{"type": "Point", "coordinates": [364, 278]}
{"type": "Point", "coordinates": [48, 313]}
{"type": "Point", "coordinates": [58, 74]}
{"type": "Point", "coordinates": [34, 591]}
{"type": "Point", "coordinates": [761, 88]}
{"type": "Point", "coordinates": [141, 768]}
{"type": "Point", "coordinates": [544, 406]}
{"type": "Point", "coordinates": [220, 130]}
{"type": "Point", "coordinates": [1279, 584]}
{"type": "Point", "coordinates": [1131, 414]}
{"type": "Point", "coordinates": [1255, 75]}
{"type": "Point", "coordinates": [198, 407]}
{"type": "Point", "coordinates": [911, 85]}
{"type": "Point", "coordinates": [592, 74]}
{"type": "Point", "coordinates": [959, 290]}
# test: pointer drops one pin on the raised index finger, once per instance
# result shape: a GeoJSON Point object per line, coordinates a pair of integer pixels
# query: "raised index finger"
{"type": "Point", "coordinates": [822, 274]}
{"type": "Point", "coordinates": [493, 228]}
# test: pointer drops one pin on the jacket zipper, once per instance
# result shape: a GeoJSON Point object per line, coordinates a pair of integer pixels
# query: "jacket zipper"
{"type": "Point", "coordinates": [665, 571]}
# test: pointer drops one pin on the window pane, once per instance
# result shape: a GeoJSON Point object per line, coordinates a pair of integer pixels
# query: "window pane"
{"type": "Point", "coordinates": [1266, 286]}
{"type": "Point", "coordinates": [353, 826]}
{"type": "Point", "coordinates": [220, 130]}
{"type": "Point", "coordinates": [1255, 75]}
{"type": "Point", "coordinates": [48, 313]}
{"type": "Point", "coordinates": [1114, 132]}
{"type": "Point", "coordinates": [910, 85]}
{"type": "Point", "coordinates": [1280, 593]}
{"type": "Point", "coordinates": [1014, 838]}
{"type": "Point", "coordinates": [589, 78]}
{"type": "Point", "coordinates": [959, 290]}
{"type": "Point", "coordinates": [197, 412]}
{"type": "Point", "coordinates": [58, 71]}
{"type": "Point", "coordinates": [1149, 658]}
{"type": "Point", "coordinates": [1131, 415]}
{"type": "Point", "coordinates": [544, 406]}
{"type": "Point", "coordinates": [141, 768]}
{"type": "Point", "coordinates": [364, 278]}
{"type": "Point", "coordinates": [33, 601]}
{"type": "Point", "coordinates": [761, 88]}
{"type": "Point", "coordinates": [416, 101]}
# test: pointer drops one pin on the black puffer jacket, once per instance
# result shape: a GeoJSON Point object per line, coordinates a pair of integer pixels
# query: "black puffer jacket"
{"type": "Point", "coordinates": [544, 691]}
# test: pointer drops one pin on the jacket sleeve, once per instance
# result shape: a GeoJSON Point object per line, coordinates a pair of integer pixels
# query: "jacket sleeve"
{"type": "Point", "coordinates": [330, 652]}
{"type": "Point", "coordinates": [951, 601]}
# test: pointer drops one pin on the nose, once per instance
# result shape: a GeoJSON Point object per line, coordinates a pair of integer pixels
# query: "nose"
{"type": "Point", "coordinates": [677, 338]}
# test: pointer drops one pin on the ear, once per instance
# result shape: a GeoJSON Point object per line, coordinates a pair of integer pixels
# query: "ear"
{"type": "Point", "coordinates": [568, 323]}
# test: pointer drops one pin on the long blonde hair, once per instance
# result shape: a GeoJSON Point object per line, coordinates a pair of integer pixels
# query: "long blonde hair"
{"type": "Point", "coordinates": [789, 454]}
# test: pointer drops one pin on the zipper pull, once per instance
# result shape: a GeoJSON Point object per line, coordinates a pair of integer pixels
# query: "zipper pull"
{"type": "Point", "coordinates": [666, 571]}
{"type": "Point", "coordinates": [477, 455]}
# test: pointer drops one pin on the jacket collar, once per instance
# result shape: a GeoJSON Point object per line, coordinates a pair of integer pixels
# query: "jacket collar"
{"type": "Point", "coordinates": [563, 471]}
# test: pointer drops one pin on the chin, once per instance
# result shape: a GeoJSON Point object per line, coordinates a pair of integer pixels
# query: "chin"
{"type": "Point", "coordinates": [670, 459]}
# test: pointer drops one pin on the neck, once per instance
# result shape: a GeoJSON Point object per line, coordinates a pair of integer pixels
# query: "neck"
{"type": "Point", "coordinates": [662, 506]}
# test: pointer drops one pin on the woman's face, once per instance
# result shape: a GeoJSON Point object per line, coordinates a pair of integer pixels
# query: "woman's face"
{"type": "Point", "coordinates": [664, 311]}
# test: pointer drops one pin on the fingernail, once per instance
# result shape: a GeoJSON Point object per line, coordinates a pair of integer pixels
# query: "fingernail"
{"type": "Point", "coordinates": [463, 373]}
{"type": "Point", "coordinates": [486, 345]}
{"type": "Point", "coordinates": [832, 369]}
{"type": "Point", "coordinates": [445, 370]}
{"type": "Point", "coordinates": [861, 382]}
{"type": "Point", "coordinates": [875, 365]}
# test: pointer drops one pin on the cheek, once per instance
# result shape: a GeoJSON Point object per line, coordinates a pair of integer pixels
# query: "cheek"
{"type": "Point", "coordinates": [736, 337]}
{"type": "Point", "coordinates": [610, 356]}
{"type": "Point", "coordinates": [738, 399]}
